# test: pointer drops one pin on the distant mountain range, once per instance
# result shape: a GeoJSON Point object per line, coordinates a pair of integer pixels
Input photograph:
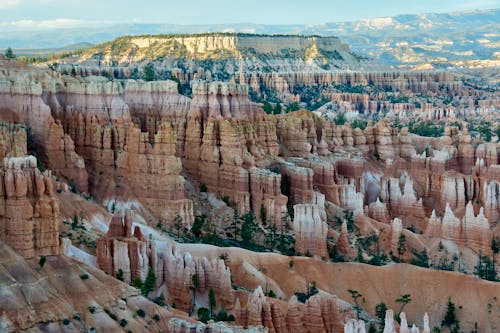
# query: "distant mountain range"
{"type": "Point", "coordinates": [404, 40]}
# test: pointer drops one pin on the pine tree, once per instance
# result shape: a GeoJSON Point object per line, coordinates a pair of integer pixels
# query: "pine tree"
{"type": "Point", "coordinates": [380, 310]}
{"type": "Point", "coordinates": [149, 72]}
{"type": "Point", "coordinates": [277, 109]}
{"type": "Point", "coordinates": [485, 269]}
{"type": "Point", "coordinates": [356, 296]}
{"type": "Point", "coordinates": [149, 283]}
{"type": "Point", "coordinates": [450, 318]}
{"type": "Point", "coordinates": [404, 300]}
{"type": "Point", "coordinates": [235, 229]}
{"type": "Point", "coordinates": [401, 245]}
{"type": "Point", "coordinates": [267, 107]}
{"type": "Point", "coordinates": [248, 228]}
{"type": "Point", "coordinates": [119, 274]}
{"type": "Point", "coordinates": [9, 54]}
{"type": "Point", "coordinates": [195, 282]}
{"type": "Point", "coordinates": [211, 300]}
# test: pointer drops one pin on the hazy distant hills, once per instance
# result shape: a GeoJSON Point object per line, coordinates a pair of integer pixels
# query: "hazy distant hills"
{"type": "Point", "coordinates": [440, 39]}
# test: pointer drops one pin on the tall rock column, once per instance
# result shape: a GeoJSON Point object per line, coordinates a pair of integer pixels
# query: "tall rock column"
{"type": "Point", "coordinates": [310, 230]}
{"type": "Point", "coordinates": [29, 210]}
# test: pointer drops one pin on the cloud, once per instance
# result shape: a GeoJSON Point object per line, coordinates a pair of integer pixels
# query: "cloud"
{"type": "Point", "coordinates": [6, 4]}
{"type": "Point", "coordinates": [59, 23]}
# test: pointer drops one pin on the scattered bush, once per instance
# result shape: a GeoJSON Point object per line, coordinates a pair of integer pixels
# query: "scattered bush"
{"type": "Point", "coordinates": [119, 274]}
{"type": "Point", "coordinates": [42, 261]}
{"type": "Point", "coordinates": [380, 310]}
{"type": "Point", "coordinates": [203, 187]}
{"type": "Point", "coordinates": [203, 315]}
{"type": "Point", "coordinates": [149, 72]}
{"type": "Point", "coordinates": [123, 322]}
{"type": "Point", "coordinates": [141, 313]}
{"type": "Point", "coordinates": [66, 321]}
{"type": "Point", "coordinates": [160, 300]}
{"type": "Point", "coordinates": [84, 276]}
{"type": "Point", "coordinates": [450, 318]}
{"type": "Point", "coordinates": [485, 269]}
{"type": "Point", "coordinates": [311, 290]}
{"type": "Point", "coordinates": [340, 119]}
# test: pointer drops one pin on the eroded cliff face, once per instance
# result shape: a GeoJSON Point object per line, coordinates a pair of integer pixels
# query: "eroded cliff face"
{"type": "Point", "coordinates": [137, 138]}
{"type": "Point", "coordinates": [144, 146]}
{"type": "Point", "coordinates": [22, 102]}
{"type": "Point", "coordinates": [29, 216]}
{"type": "Point", "coordinates": [230, 55]}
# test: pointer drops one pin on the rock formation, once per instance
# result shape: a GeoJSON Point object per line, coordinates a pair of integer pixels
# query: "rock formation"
{"type": "Point", "coordinates": [310, 229]}
{"type": "Point", "coordinates": [389, 326]}
{"type": "Point", "coordinates": [29, 210]}
{"type": "Point", "coordinates": [472, 231]}
{"type": "Point", "coordinates": [122, 252]}
{"type": "Point", "coordinates": [21, 102]}
{"type": "Point", "coordinates": [320, 313]}
{"type": "Point", "coordinates": [175, 270]}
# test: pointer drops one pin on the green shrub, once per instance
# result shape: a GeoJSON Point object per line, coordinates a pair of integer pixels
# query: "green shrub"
{"type": "Point", "coordinates": [66, 321]}
{"type": "Point", "coordinates": [119, 274]}
{"type": "Point", "coordinates": [42, 261]}
{"type": "Point", "coordinates": [203, 315]}
{"type": "Point", "coordinates": [160, 300]}
{"type": "Point", "coordinates": [141, 313]}
{"type": "Point", "coordinates": [123, 322]}
{"type": "Point", "coordinates": [84, 276]}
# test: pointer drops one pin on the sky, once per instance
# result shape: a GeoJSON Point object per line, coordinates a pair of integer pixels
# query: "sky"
{"type": "Point", "coordinates": [40, 14]}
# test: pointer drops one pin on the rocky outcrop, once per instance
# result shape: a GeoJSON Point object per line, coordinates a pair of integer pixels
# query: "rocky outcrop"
{"type": "Point", "coordinates": [13, 141]}
{"type": "Point", "coordinates": [390, 326]}
{"type": "Point", "coordinates": [175, 270]}
{"type": "Point", "coordinates": [383, 141]}
{"type": "Point", "coordinates": [122, 252]}
{"type": "Point", "coordinates": [354, 326]}
{"type": "Point", "coordinates": [224, 100]}
{"type": "Point", "coordinates": [396, 230]}
{"type": "Point", "coordinates": [130, 255]}
{"type": "Point", "coordinates": [320, 313]}
{"type": "Point", "coordinates": [491, 200]}
{"type": "Point", "coordinates": [153, 174]}
{"type": "Point", "coordinates": [472, 231]}
{"type": "Point", "coordinates": [299, 183]}
{"type": "Point", "coordinates": [403, 203]}
{"type": "Point", "coordinates": [267, 199]}
{"type": "Point", "coordinates": [297, 133]}
{"type": "Point", "coordinates": [29, 210]}
{"type": "Point", "coordinates": [377, 210]}
{"type": "Point", "coordinates": [21, 102]}
{"type": "Point", "coordinates": [310, 229]}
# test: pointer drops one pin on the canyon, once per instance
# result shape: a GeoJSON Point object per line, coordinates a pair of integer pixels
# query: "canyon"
{"type": "Point", "coordinates": [185, 205]}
